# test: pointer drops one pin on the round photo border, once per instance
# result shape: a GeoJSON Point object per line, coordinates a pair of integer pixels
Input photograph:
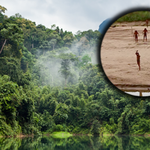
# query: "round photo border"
{"type": "Point", "coordinates": [111, 21]}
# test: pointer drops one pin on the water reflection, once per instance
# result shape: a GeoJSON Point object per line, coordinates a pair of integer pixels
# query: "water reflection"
{"type": "Point", "coordinates": [76, 143]}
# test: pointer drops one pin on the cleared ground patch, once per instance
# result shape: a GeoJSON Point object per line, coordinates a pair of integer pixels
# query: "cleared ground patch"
{"type": "Point", "coordinates": [118, 54]}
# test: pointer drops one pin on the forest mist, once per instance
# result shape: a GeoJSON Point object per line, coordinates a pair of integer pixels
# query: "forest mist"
{"type": "Point", "coordinates": [50, 81]}
{"type": "Point", "coordinates": [49, 63]}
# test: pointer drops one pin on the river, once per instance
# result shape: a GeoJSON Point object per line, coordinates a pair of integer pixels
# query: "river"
{"type": "Point", "coordinates": [77, 143]}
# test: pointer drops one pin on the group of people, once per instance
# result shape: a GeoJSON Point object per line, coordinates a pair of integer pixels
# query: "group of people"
{"type": "Point", "coordinates": [144, 35]}
{"type": "Point", "coordinates": [136, 40]}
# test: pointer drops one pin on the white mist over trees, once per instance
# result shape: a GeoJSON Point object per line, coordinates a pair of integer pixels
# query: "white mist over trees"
{"type": "Point", "coordinates": [49, 82]}
{"type": "Point", "coordinates": [61, 66]}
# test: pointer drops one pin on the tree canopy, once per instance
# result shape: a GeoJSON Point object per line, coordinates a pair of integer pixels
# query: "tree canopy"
{"type": "Point", "coordinates": [48, 82]}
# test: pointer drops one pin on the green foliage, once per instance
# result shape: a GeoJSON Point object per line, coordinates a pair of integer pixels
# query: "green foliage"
{"type": "Point", "coordinates": [68, 38]}
{"type": "Point", "coordinates": [11, 34]}
{"type": "Point", "coordinates": [61, 114]}
{"type": "Point", "coordinates": [27, 59]}
{"type": "Point", "coordinates": [135, 16]}
{"type": "Point", "coordinates": [59, 127]}
{"type": "Point", "coordinates": [111, 127]}
{"type": "Point", "coordinates": [95, 129]}
{"type": "Point", "coordinates": [11, 67]}
{"type": "Point", "coordinates": [76, 130]}
{"type": "Point", "coordinates": [2, 9]}
{"type": "Point", "coordinates": [48, 83]}
{"type": "Point", "coordinates": [10, 101]}
{"type": "Point", "coordinates": [65, 65]}
{"type": "Point", "coordinates": [46, 122]}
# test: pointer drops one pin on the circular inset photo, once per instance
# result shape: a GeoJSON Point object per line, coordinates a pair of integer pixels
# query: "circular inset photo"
{"type": "Point", "coordinates": [125, 53]}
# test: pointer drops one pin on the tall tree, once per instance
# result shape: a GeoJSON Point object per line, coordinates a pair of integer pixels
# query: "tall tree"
{"type": "Point", "coordinates": [11, 32]}
{"type": "Point", "coordinates": [2, 10]}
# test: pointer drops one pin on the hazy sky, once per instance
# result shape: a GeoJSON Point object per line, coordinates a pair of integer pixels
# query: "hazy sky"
{"type": "Point", "coordinates": [71, 15]}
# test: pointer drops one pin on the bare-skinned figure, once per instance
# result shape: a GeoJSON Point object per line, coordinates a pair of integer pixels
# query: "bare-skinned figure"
{"type": "Point", "coordinates": [136, 35]}
{"type": "Point", "coordinates": [145, 34]}
{"type": "Point", "coordinates": [138, 59]}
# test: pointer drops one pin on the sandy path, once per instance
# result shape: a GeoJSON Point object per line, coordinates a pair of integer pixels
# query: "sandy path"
{"type": "Point", "coordinates": [119, 59]}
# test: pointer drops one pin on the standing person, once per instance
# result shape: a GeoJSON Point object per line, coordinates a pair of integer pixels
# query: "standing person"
{"type": "Point", "coordinates": [145, 34]}
{"type": "Point", "coordinates": [136, 35]}
{"type": "Point", "coordinates": [138, 59]}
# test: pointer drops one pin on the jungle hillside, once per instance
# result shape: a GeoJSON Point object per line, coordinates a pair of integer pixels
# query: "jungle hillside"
{"type": "Point", "coordinates": [51, 80]}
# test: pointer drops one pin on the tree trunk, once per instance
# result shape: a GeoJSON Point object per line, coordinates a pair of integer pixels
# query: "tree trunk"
{"type": "Point", "coordinates": [3, 45]}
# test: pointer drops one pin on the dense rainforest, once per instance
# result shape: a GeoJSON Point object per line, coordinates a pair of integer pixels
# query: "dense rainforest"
{"type": "Point", "coordinates": [51, 80]}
